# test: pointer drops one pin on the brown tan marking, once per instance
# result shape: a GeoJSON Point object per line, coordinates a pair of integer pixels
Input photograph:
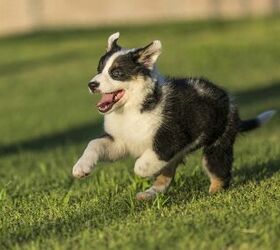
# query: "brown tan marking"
{"type": "Point", "coordinates": [216, 183]}
{"type": "Point", "coordinates": [160, 185]}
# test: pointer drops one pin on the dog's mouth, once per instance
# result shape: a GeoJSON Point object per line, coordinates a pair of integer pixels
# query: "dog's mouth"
{"type": "Point", "coordinates": [108, 100]}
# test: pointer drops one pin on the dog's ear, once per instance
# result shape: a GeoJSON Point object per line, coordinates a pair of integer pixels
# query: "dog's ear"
{"type": "Point", "coordinates": [112, 42]}
{"type": "Point", "coordinates": [149, 54]}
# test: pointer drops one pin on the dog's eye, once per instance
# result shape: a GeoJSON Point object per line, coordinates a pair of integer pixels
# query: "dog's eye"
{"type": "Point", "coordinates": [117, 73]}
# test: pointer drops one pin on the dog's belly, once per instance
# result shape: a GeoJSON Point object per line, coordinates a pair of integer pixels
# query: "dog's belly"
{"type": "Point", "coordinates": [135, 130]}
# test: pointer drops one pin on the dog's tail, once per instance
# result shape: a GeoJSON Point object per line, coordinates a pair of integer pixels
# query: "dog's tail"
{"type": "Point", "coordinates": [257, 122]}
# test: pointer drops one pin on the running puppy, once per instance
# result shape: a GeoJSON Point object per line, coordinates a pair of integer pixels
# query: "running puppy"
{"type": "Point", "coordinates": [159, 120]}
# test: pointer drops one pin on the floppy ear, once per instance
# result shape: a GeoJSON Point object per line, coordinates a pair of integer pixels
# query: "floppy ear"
{"type": "Point", "coordinates": [112, 42]}
{"type": "Point", "coordinates": [149, 54]}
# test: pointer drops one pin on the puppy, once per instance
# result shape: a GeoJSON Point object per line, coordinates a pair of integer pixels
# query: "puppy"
{"type": "Point", "coordinates": [159, 120]}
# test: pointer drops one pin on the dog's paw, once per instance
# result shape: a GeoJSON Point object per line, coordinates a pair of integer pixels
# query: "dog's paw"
{"type": "Point", "coordinates": [82, 168]}
{"type": "Point", "coordinates": [143, 168]}
{"type": "Point", "coordinates": [148, 165]}
{"type": "Point", "coordinates": [147, 195]}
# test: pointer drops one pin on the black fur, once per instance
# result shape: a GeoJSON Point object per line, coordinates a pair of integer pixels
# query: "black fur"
{"type": "Point", "coordinates": [248, 125]}
{"type": "Point", "coordinates": [128, 66]}
{"type": "Point", "coordinates": [192, 107]}
{"type": "Point", "coordinates": [196, 108]}
{"type": "Point", "coordinates": [106, 56]}
{"type": "Point", "coordinates": [152, 99]}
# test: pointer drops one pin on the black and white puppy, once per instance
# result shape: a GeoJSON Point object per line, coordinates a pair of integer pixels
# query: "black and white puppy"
{"type": "Point", "coordinates": [159, 120]}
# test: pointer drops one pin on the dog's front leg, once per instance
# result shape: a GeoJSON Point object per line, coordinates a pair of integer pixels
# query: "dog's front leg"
{"type": "Point", "coordinates": [148, 164]}
{"type": "Point", "coordinates": [104, 148]}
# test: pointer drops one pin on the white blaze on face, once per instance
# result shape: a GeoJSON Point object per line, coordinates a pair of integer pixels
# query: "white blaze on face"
{"type": "Point", "coordinates": [113, 91]}
{"type": "Point", "coordinates": [107, 84]}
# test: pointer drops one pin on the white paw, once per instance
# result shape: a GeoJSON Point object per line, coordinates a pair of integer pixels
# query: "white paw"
{"type": "Point", "coordinates": [149, 194]}
{"type": "Point", "coordinates": [82, 168]}
{"type": "Point", "coordinates": [143, 168]}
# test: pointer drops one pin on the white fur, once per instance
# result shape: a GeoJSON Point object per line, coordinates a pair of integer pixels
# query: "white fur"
{"type": "Point", "coordinates": [266, 116]}
{"type": "Point", "coordinates": [133, 131]}
{"type": "Point", "coordinates": [107, 84]}
{"type": "Point", "coordinates": [98, 149]}
{"type": "Point", "coordinates": [148, 164]}
{"type": "Point", "coordinates": [111, 39]}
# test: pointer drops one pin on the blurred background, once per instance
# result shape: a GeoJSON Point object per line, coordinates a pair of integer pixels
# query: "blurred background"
{"type": "Point", "coordinates": [27, 15]}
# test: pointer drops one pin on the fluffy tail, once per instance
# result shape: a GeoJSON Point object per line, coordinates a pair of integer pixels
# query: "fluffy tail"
{"type": "Point", "coordinates": [254, 123]}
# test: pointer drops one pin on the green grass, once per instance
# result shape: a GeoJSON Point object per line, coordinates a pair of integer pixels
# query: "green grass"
{"type": "Point", "coordinates": [47, 118]}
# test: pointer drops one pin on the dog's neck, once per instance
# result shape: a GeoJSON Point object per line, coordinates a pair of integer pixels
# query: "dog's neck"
{"type": "Point", "coordinates": [157, 77]}
{"type": "Point", "coordinates": [153, 92]}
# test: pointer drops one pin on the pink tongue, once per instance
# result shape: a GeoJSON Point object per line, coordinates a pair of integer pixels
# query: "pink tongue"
{"type": "Point", "coordinates": [106, 99]}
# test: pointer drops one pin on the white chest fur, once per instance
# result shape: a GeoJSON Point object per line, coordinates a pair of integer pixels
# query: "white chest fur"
{"type": "Point", "coordinates": [134, 129]}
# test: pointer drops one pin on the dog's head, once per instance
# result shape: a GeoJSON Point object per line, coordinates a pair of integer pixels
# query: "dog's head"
{"type": "Point", "coordinates": [122, 74]}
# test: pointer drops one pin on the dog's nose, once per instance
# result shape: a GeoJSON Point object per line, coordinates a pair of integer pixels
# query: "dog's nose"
{"type": "Point", "coordinates": [93, 86]}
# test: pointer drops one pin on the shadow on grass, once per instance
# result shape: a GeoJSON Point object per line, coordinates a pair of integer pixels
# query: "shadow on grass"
{"type": "Point", "coordinates": [252, 97]}
{"type": "Point", "coordinates": [69, 136]}
{"type": "Point", "coordinates": [186, 187]}
{"type": "Point", "coordinates": [255, 173]}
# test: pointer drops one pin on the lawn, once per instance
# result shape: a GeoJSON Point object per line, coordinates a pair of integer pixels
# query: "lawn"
{"type": "Point", "coordinates": [47, 118]}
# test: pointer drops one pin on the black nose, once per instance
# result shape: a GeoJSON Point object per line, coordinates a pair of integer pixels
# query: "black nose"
{"type": "Point", "coordinates": [93, 85]}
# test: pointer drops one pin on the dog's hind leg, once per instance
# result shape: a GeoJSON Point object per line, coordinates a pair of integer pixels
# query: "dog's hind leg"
{"type": "Point", "coordinates": [218, 157]}
{"type": "Point", "coordinates": [217, 162]}
{"type": "Point", "coordinates": [160, 185]}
